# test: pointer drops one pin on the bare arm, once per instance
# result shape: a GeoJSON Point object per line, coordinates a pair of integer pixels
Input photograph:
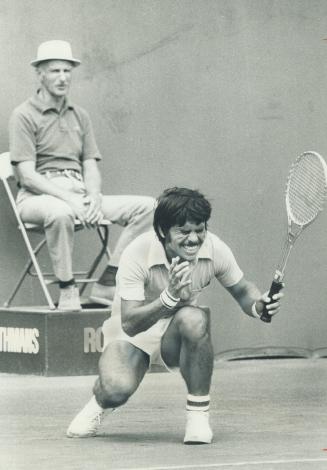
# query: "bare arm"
{"type": "Point", "coordinates": [246, 293]}
{"type": "Point", "coordinates": [137, 316]}
{"type": "Point", "coordinates": [92, 177]}
{"type": "Point", "coordinates": [92, 181]}
{"type": "Point", "coordinates": [30, 179]}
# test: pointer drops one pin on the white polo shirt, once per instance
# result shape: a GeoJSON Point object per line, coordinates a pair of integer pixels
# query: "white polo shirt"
{"type": "Point", "coordinates": [143, 269]}
{"type": "Point", "coordinates": [143, 275]}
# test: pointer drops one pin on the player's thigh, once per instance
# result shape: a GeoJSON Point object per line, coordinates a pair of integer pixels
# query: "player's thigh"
{"type": "Point", "coordinates": [122, 363]}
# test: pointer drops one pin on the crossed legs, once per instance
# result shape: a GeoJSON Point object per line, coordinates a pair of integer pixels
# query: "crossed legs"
{"type": "Point", "coordinates": [133, 213]}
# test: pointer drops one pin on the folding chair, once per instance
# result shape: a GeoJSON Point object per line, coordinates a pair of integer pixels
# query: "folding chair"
{"type": "Point", "coordinates": [7, 174]}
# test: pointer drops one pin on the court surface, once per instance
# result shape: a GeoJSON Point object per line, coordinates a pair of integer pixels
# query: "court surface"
{"type": "Point", "coordinates": [265, 414]}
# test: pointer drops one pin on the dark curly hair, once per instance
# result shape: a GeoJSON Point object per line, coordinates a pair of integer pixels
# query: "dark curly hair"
{"type": "Point", "coordinates": [176, 206]}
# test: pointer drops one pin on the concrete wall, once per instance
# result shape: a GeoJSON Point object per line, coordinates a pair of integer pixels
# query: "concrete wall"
{"type": "Point", "coordinates": [218, 95]}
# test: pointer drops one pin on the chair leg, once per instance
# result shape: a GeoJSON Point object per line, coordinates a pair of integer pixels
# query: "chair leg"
{"type": "Point", "coordinates": [29, 247]}
{"type": "Point", "coordinates": [23, 274]}
{"type": "Point", "coordinates": [104, 237]}
{"type": "Point", "coordinates": [32, 255]}
{"type": "Point", "coordinates": [39, 274]}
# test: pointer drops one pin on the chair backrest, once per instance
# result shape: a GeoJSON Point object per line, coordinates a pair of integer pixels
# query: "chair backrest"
{"type": "Point", "coordinates": [6, 168]}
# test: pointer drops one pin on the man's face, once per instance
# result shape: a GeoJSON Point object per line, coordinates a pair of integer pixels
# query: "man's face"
{"type": "Point", "coordinates": [185, 241]}
{"type": "Point", "coordinates": [55, 77]}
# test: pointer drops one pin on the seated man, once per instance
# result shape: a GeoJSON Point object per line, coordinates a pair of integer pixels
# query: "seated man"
{"type": "Point", "coordinates": [156, 317]}
{"type": "Point", "coordinates": [53, 148]}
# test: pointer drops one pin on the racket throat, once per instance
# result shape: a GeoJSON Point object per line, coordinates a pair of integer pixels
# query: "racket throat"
{"type": "Point", "coordinates": [280, 271]}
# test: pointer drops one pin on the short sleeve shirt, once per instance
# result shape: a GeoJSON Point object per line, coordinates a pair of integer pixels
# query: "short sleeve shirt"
{"type": "Point", "coordinates": [53, 139]}
{"type": "Point", "coordinates": [143, 269]}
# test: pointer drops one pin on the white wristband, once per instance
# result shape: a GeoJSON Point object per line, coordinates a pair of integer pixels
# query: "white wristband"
{"type": "Point", "coordinates": [168, 300]}
{"type": "Point", "coordinates": [254, 311]}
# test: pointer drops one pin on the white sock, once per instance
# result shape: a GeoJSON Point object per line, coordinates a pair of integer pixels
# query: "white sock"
{"type": "Point", "coordinates": [197, 403]}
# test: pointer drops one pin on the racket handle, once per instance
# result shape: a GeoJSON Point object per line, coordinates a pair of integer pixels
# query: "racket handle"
{"type": "Point", "coordinates": [274, 289]}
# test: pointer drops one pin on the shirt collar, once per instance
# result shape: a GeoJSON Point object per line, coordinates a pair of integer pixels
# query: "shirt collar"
{"type": "Point", "coordinates": [157, 255]}
{"type": "Point", "coordinates": [43, 107]}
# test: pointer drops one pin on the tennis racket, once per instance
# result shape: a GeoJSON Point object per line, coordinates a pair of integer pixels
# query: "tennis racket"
{"type": "Point", "coordinates": [306, 190]}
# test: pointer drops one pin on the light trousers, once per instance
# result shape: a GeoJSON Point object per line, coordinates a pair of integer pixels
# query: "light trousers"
{"type": "Point", "coordinates": [134, 213]}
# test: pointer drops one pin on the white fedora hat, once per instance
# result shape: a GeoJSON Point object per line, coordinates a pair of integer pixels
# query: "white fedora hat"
{"type": "Point", "coordinates": [55, 50]}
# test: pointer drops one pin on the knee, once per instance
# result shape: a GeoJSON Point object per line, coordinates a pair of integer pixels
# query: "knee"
{"type": "Point", "coordinates": [193, 323]}
{"type": "Point", "coordinates": [114, 391]}
{"type": "Point", "coordinates": [145, 206]}
{"type": "Point", "coordinates": [149, 204]}
{"type": "Point", "coordinates": [142, 212]}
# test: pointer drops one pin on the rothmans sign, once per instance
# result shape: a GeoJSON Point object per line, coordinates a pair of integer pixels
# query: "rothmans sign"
{"type": "Point", "coordinates": [19, 340]}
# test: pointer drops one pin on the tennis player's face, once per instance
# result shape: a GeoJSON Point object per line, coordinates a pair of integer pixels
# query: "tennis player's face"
{"type": "Point", "coordinates": [185, 241]}
{"type": "Point", "coordinates": [55, 77]}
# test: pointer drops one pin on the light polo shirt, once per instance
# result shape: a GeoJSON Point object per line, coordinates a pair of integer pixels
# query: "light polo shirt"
{"type": "Point", "coordinates": [54, 140]}
{"type": "Point", "coordinates": [143, 269]}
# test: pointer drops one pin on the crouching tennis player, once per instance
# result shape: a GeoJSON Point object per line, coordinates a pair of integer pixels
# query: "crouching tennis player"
{"type": "Point", "coordinates": [156, 317]}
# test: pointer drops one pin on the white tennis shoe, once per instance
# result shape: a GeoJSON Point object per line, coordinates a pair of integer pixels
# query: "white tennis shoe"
{"type": "Point", "coordinates": [198, 430]}
{"type": "Point", "coordinates": [69, 300]}
{"type": "Point", "coordinates": [87, 422]}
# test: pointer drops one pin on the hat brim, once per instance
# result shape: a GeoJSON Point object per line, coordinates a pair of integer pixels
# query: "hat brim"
{"type": "Point", "coordinates": [36, 62]}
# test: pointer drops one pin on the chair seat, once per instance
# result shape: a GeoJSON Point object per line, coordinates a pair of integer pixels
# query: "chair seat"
{"type": "Point", "coordinates": [52, 281]}
{"type": "Point", "coordinates": [78, 225]}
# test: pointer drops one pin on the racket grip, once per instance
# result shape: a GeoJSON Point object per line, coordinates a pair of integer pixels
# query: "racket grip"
{"type": "Point", "coordinates": [274, 289]}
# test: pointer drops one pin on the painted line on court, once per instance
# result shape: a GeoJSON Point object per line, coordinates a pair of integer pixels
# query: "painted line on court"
{"type": "Point", "coordinates": [228, 464]}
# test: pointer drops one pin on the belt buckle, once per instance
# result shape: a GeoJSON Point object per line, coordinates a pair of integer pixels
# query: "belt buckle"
{"type": "Point", "coordinates": [72, 174]}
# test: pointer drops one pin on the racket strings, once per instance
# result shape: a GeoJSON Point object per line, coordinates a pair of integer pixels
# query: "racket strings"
{"type": "Point", "coordinates": [306, 189]}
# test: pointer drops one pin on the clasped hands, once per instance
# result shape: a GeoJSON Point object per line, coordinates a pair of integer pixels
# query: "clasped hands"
{"type": "Point", "coordinates": [87, 208]}
{"type": "Point", "coordinates": [179, 279]}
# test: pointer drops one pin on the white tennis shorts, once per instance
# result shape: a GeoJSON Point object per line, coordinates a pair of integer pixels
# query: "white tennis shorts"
{"type": "Point", "coordinates": [148, 341]}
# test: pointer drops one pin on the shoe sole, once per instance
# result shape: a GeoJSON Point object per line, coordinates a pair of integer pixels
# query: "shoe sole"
{"type": "Point", "coordinates": [78, 436]}
{"type": "Point", "coordinates": [196, 440]}
{"type": "Point", "coordinates": [192, 443]}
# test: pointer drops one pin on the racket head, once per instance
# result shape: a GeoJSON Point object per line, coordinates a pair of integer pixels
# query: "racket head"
{"type": "Point", "coordinates": [306, 189]}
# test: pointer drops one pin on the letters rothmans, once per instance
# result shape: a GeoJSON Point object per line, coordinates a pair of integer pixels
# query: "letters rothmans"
{"type": "Point", "coordinates": [25, 340]}
{"type": "Point", "coordinates": [93, 340]}
{"type": "Point", "coordinates": [19, 340]}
